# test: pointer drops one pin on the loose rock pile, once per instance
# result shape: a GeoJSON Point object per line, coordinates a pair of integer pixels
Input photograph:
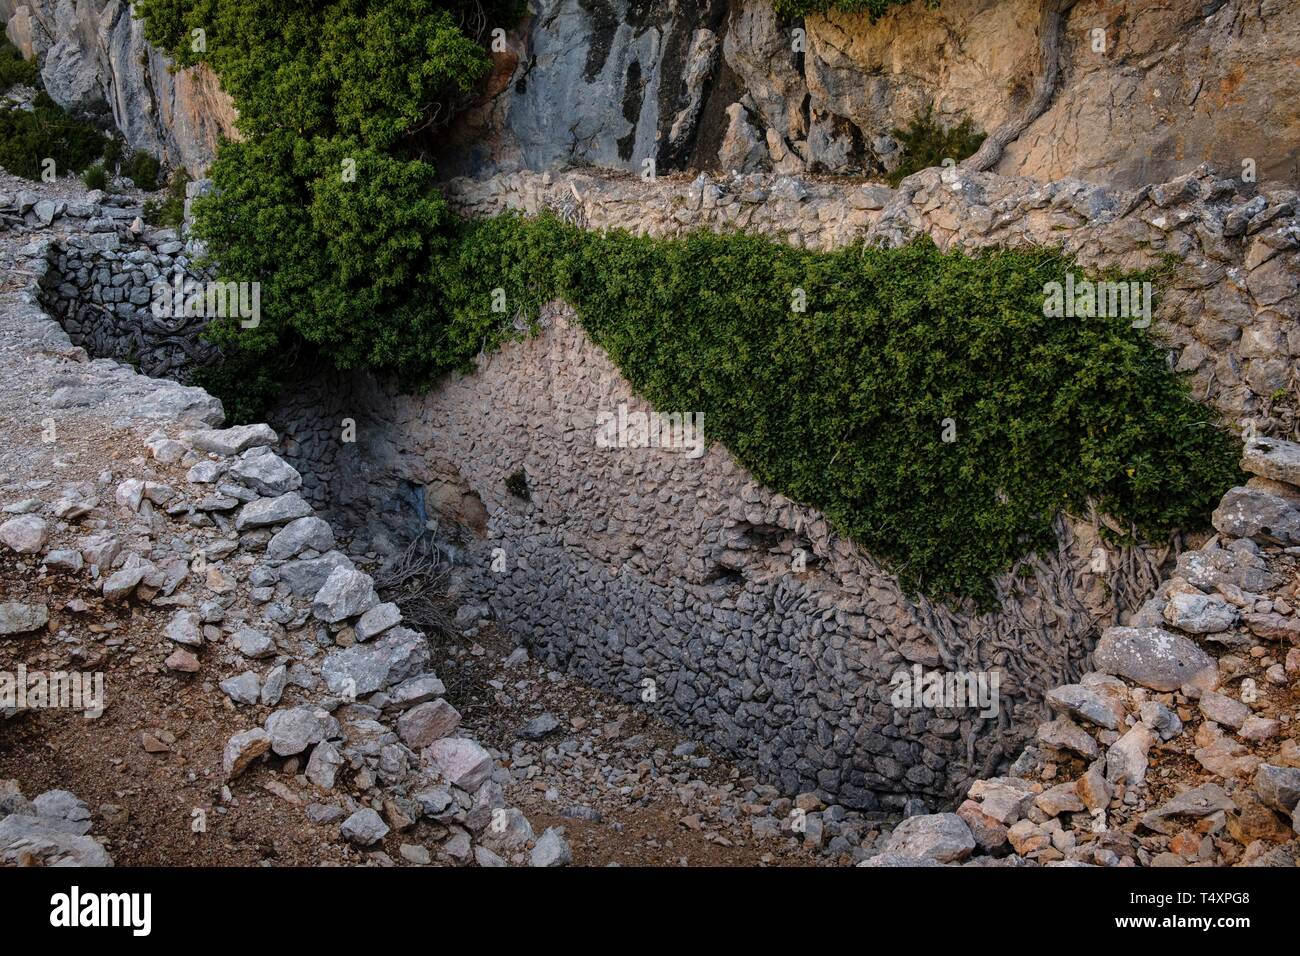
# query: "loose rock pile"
{"type": "Point", "coordinates": [1180, 747]}
{"type": "Point", "coordinates": [51, 830]}
{"type": "Point", "coordinates": [208, 540]}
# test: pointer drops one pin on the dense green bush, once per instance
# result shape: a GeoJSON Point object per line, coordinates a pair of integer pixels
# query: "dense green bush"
{"type": "Point", "coordinates": [27, 138]}
{"type": "Point", "coordinates": [14, 69]}
{"type": "Point", "coordinates": [926, 142]}
{"type": "Point", "coordinates": [841, 406]}
{"type": "Point", "coordinates": [169, 210]}
{"type": "Point", "coordinates": [143, 170]}
{"type": "Point", "coordinates": [96, 177]}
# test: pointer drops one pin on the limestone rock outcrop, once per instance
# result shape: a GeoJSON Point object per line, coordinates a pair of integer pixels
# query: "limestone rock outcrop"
{"type": "Point", "coordinates": [94, 59]}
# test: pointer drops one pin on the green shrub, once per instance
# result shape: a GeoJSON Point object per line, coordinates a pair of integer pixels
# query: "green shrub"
{"type": "Point", "coordinates": [95, 177]}
{"type": "Point", "coordinates": [14, 70]}
{"type": "Point", "coordinates": [842, 406]}
{"type": "Point", "coordinates": [927, 142]}
{"type": "Point", "coordinates": [517, 485]}
{"type": "Point", "coordinates": [113, 150]}
{"type": "Point", "coordinates": [143, 170]}
{"type": "Point", "coordinates": [27, 138]}
{"type": "Point", "coordinates": [169, 211]}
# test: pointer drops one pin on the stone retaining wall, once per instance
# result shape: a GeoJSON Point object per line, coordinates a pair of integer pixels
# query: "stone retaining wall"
{"type": "Point", "coordinates": [626, 566]}
{"type": "Point", "coordinates": [102, 287]}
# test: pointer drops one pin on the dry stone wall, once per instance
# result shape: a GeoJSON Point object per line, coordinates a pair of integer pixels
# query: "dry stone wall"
{"type": "Point", "coordinates": [631, 565]}
{"type": "Point", "coordinates": [119, 288]}
{"type": "Point", "coordinates": [1228, 315]}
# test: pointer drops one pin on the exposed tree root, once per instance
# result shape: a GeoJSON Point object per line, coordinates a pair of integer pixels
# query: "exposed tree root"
{"type": "Point", "coordinates": [1051, 20]}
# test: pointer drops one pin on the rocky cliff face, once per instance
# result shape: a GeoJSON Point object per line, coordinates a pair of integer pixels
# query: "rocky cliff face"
{"type": "Point", "coordinates": [1145, 92]}
{"type": "Point", "coordinates": [94, 59]}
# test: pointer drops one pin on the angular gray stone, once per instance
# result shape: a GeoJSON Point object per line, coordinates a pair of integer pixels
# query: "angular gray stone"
{"type": "Point", "coordinates": [377, 620]}
{"type": "Point", "coordinates": [346, 593]}
{"type": "Point", "coordinates": [942, 837]}
{"type": "Point", "coordinates": [63, 811]}
{"type": "Point", "coordinates": [25, 534]}
{"type": "Point", "coordinates": [273, 687]}
{"type": "Point", "coordinates": [16, 618]}
{"type": "Point", "coordinates": [1161, 720]}
{"type": "Point", "coordinates": [244, 689]}
{"type": "Point", "coordinates": [323, 765]}
{"type": "Point", "coordinates": [1086, 704]}
{"type": "Point", "coordinates": [551, 849]}
{"type": "Point", "coordinates": [1198, 802]}
{"type": "Point", "coordinates": [427, 722]}
{"type": "Point", "coordinates": [364, 828]}
{"type": "Point", "coordinates": [1273, 458]}
{"type": "Point", "coordinates": [1200, 613]}
{"type": "Point", "coordinates": [295, 729]}
{"type": "Point", "coordinates": [232, 441]}
{"type": "Point", "coordinates": [265, 512]}
{"type": "Point", "coordinates": [1152, 657]}
{"type": "Point", "coordinates": [397, 654]}
{"type": "Point", "coordinates": [461, 761]}
{"type": "Point", "coordinates": [1208, 570]}
{"type": "Point", "coordinates": [64, 559]}
{"type": "Point", "coordinates": [415, 690]}
{"type": "Point", "coordinates": [185, 628]}
{"type": "Point", "coordinates": [298, 536]}
{"type": "Point", "coordinates": [266, 473]}
{"type": "Point", "coordinates": [509, 829]}
{"type": "Point", "coordinates": [1223, 709]}
{"type": "Point", "coordinates": [252, 643]}
{"type": "Point", "coordinates": [1126, 759]}
{"type": "Point", "coordinates": [1254, 513]}
{"type": "Point", "coordinates": [242, 749]}
{"type": "Point", "coordinates": [1064, 734]}
{"type": "Point", "coordinates": [305, 576]}
{"type": "Point", "coordinates": [1278, 787]}
{"type": "Point", "coordinates": [539, 727]}
{"type": "Point", "coordinates": [24, 838]}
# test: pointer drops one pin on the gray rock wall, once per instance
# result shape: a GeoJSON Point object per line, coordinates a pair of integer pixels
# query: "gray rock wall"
{"type": "Point", "coordinates": [630, 565]}
{"type": "Point", "coordinates": [94, 59]}
{"type": "Point", "coordinates": [1146, 93]}
{"type": "Point", "coordinates": [102, 287]}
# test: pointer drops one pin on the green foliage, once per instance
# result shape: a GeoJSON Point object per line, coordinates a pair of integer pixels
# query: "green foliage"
{"type": "Point", "coordinates": [143, 170]}
{"type": "Point", "coordinates": [14, 70]}
{"type": "Point", "coordinates": [927, 142]}
{"type": "Point", "coordinates": [46, 131]}
{"type": "Point", "coordinates": [95, 177]}
{"type": "Point", "coordinates": [381, 71]}
{"type": "Point", "coordinates": [792, 9]}
{"type": "Point", "coordinates": [517, 485]}
{"type": "Point", "coordinates": [113, 150]}
{"type": "Point", "coordinates": [170, 209]}
{"type": "Point", "coordinates": [841, 406]}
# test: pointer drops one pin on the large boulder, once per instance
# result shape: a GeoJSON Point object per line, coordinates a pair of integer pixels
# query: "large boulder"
{"type": "Point", "coordinates": [1152, 657]}
{"type": "Point", "coordinates": [942, 837]}
{"type": "Point", "coordinates": [365, 668]}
